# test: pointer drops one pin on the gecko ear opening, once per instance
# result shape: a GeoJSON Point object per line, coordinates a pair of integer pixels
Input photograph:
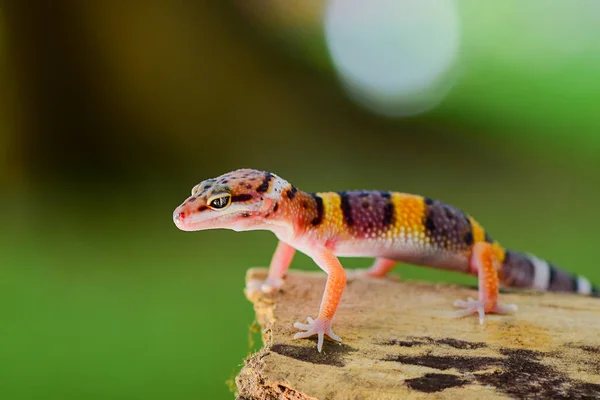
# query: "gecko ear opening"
{"type": "Point", "coordinates": [266, 205]}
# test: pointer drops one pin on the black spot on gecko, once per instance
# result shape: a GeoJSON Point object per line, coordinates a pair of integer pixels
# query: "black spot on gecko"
{"type": "Point", "coordinates": [265, 184]}
{"type": "Point", "coordinates": [448, 211]}
{"type": "Point", "coordinates": [431, 383]}
{"type": "Point", "coordinates": [447, 226]}
{"type": "Point", "coordinates": [363, 194]}
{"type": "Point", "coordinates": [469, 238]}
{"type": "Point", "coordinates": [333, 355]}
{"type": "Point", "coordinates": [291, 192]}
{"type": "Point", "coordinates": [201, 208]}
{"type": "Point", "coordinates": [241, 197]}
{"type": "Point", "coordinates": [552, 279]}
{"type": "Point", "coordinates": [388, 213]}
{"type": "Point", "coordinates": [365, 204]}
{"type": "Point", "coordinates": [320, 210]}
{"type": "Point", "coordinates": [191, 199]}
{"type": "Point", "coordinates": [517, 270]}
{"type": "Point", "coordinates": [574, 283]}
{"type": "Point", "coordinates": [428, 200]}
{"type": "Point", "coordinates": [385, 195]}
{"type": "Point", "coordinates": [560, 280]}
{"type": "Point", "coordinates": [430, 224]}
{"type": "Point", "coordinates": [346, 209]}
{"type": "Point", "coordinates": [276, 207]}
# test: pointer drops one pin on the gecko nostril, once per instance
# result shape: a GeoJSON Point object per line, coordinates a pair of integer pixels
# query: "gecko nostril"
{"type": "Point", "coordinates": [181, 215]}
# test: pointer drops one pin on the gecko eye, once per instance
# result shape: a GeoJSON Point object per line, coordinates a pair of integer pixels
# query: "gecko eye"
{"type": "Point", "coordinates": [220, 202]}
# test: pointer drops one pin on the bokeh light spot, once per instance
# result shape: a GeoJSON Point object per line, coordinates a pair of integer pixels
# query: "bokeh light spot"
{"type": "Point", "coordinates": [394, 56]}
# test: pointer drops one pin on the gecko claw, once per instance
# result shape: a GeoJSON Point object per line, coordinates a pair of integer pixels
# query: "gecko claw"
{"type": "Point", "coordinates": [319, 327]}
{"type": "Point", "coordinates": [472, 306]}
{"type": "Point", "coordinates": [469, 307]}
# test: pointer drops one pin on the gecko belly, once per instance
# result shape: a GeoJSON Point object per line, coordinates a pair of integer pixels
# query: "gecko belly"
{"type": "Point", "coordinates": [405, 252]}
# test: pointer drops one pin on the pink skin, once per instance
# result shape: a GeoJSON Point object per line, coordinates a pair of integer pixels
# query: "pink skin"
{"type": "Point", "coordinates": [195, 214]}
{"type": "Point", "coordinates": [279, 265]}
{"type": "Point", "coordinates": [232, 218]}
{"type": "Point", "coordinates": [336, 282]}
{"type": "Point", "coordinates": [379, 269]}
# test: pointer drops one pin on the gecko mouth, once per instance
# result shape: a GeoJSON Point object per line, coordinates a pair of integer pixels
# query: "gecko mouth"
{"type": "Point", "coordinates": [189, 226]}
{"type": "Point", "coordinates": [187, 222]}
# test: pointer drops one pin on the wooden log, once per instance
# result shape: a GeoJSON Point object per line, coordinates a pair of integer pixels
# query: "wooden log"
{"type": "Point", "coordinates": [401, 340]}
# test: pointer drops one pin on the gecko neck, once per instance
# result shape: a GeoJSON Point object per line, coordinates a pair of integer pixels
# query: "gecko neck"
{"type": "Point", "coordinates": [292, 215]}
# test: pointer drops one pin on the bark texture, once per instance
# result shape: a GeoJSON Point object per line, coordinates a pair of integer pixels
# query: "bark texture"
{"type": "Point", "coordinates": [400, 340]}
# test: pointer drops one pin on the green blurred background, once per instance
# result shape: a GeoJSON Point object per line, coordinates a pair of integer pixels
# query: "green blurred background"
{"type": "Point", "coordinates": [111, 111]}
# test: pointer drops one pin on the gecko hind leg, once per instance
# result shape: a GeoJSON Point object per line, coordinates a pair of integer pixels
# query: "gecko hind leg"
{"type": "Point", "coordinates": [484, 262]}
{"type": "Point", "coordinates": [379, 269]}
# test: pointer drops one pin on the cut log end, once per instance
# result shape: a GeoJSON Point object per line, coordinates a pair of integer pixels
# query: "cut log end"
{"type": "Point", "coordinates": [400, 339]}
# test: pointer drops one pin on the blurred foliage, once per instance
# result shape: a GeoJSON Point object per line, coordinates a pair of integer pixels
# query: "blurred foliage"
{"type": "Point", "coordinates": [294, 27]}
{"type": "Point", "coordinates": [118, 109]}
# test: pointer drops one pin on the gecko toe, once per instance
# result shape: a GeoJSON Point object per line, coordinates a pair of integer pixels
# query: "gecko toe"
{"type": "Point", "coordinates": [319, 327]}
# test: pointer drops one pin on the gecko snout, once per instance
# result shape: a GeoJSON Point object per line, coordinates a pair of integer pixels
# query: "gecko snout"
{"type": "Point", "coordinates": [179, 216]}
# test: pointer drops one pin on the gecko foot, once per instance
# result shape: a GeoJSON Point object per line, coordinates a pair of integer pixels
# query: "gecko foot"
{"type": "Point", "coordinates": [353, 274]}
{"type": "Point", "coordinates": [267, 286]}
{"type": "Point", "coordinates": [472, 306]}
{"type": "Point", "coordinates": [320, 327]}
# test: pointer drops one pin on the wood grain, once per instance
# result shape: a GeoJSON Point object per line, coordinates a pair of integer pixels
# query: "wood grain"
{"type": "Point", "coordinates": [401, 341]}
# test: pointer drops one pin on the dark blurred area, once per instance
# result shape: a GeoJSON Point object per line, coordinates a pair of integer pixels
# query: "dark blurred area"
{"type": "Point", "coordinates": [111, 111]}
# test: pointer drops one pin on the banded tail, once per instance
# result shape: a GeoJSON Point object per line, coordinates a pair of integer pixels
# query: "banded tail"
{"type": "Point", "coordinates": [521, 270]}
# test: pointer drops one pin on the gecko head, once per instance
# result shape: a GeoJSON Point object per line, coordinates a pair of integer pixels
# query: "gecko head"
{"type": "Point", "coordinates": [238, 200]}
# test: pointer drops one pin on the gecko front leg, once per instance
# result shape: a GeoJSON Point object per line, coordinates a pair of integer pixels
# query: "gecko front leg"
{"type": "Point", "coordinates": [282, 258]}
{"type": "Point", "coordinates": [336, 282]}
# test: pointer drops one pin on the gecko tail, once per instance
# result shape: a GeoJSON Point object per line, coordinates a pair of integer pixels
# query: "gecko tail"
{"type": "Point", "coordinates": [522, 270]}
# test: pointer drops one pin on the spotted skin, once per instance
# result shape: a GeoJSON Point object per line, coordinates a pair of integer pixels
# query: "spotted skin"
{"type": "Point", "coordinates": [448, 227]}
{"type": "Point", "coordinates": [367, 212]}
{"type": "Point", "coordinates": [389, 226]}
